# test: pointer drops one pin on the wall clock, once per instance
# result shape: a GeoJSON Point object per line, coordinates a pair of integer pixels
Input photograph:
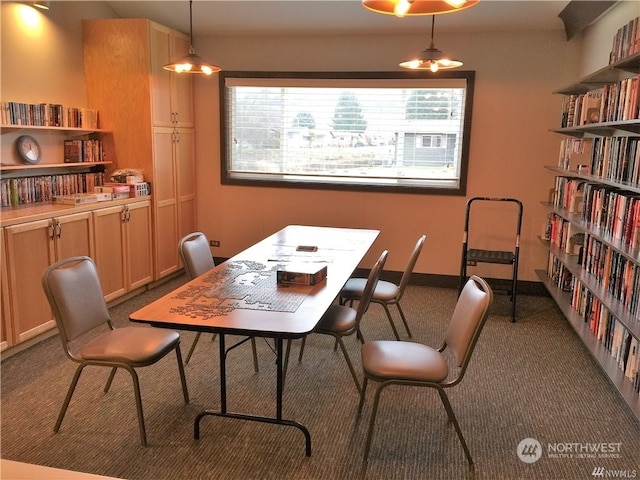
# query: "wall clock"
{"type": "Point", "coordinates": [28, 149]}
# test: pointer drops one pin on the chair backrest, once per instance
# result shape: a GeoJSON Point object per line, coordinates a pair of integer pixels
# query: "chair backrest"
{"type": "Point", "coordinates": [369, 287]}
{"type": "Point", "coordinates": [72, 287]}
{"type": "Point", "coordinates": [469, 316]}
{"type": "Point", "coordinates": [406, 276]}
{"type": "Point", "coordinates": [195, 254]}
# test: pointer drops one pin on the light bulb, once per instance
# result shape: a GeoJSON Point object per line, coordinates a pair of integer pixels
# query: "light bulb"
{"type": "Point", "coordinates": [183, 67]}
{"type": "Point", "coordinates": [402, 7]}
{"type": "Point", "coordinates": [455, 3]}
{"type": "Point", "coordinates": [433, 67]}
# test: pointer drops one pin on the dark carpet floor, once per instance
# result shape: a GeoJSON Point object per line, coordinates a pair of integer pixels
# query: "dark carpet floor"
{"type": "Point", "coordinates": [528, 380]}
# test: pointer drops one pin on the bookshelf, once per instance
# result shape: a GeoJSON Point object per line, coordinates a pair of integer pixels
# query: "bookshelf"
{"type": "Point", "coordinates": [24, 183]}
{"type": "Point", "coordinates": [593, 223]}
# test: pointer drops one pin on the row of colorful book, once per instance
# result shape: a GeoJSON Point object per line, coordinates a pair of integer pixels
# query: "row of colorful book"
{"type": "Point", "coordinates": [568, 194]}
{"type": "Point", "coordinates": [563, 235]}
{"type": "Point", "coordinates": [614, 102]}
{"type": "Point", "coordinates": [48, 115]}
{"type": "Point", "coordinates": [80, 151]}
{"type": "Point", "coordinates": [618, 275]}
{"type": "Point", "coordinates": [616, 159]}
{"type": "Point", "coordinates": [621, 344]}
{"type": "Point", "coordinates": [626, 41]}
{"type": "Point", "coordinates": [615, 213]}
{"type": "Point", "coordinates": [609, 331]}
{"type": "Point", "coordinates": [43, 188]}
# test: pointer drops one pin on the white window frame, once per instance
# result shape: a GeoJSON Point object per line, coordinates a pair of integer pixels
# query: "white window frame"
{"type": "Point", "coordinates": [420, 143]}
{"type": "Point", "coordinates": [456, 185]}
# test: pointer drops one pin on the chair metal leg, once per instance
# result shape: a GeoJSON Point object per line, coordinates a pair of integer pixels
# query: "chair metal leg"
{"type": "Point", "coordinates": [349, 364]}
{"type": "Point", "coordinates": [110, 379]}
{"type": "Point", "coordinates": [193, 347]}
{"type": "Point", "coordinates": [372, 421]}
{"type": "Point", "coordinates": [183, 380]}
{"type": "Point", "coordinates": [365, 382]}
{"type": "Point", "coordinates": [393, 326]}
{"type": "Point", "coordinates": [404, 320]}
{"type": "Point", "coordinates": [136, 391]}
{"type": "Point", "coordinates": [452, 417]}
{"type": "Point", "coordinates": [67, 399]}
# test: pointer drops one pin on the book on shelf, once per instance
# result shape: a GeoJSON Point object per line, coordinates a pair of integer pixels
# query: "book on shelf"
{"type": "Point", "coordinates": [73, 151]}
{"type": "Point", "coordinates": [42, 188]}
{"type": "Point", "coordinates": [48, 115]}
{"type": "Point", "coordinates": [81, 198]}
{"type": "Point", "coordinates": [590, 111]}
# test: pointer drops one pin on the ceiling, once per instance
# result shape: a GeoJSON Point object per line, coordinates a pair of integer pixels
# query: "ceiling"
{"type": "Point", "coordinates": [266, 17]}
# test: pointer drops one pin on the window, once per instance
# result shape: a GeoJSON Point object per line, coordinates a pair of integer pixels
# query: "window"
{"type": "Point", "coordinates": [430, 141]}
{"type": "Point", "coordinates": [390, 131]}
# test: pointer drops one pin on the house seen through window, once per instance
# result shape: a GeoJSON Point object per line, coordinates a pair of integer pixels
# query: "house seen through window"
{"type": "Point", "coordinates": [388, 131]}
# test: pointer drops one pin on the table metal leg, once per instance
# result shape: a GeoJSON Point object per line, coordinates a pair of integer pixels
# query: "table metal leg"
{"type": "Point", "coordinates": [279, 394]}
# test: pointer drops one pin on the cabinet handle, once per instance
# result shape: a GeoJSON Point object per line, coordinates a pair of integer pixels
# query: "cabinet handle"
{"type": "Point", "coordinates": [177, 137]}
{"type": "Point", "coordinates": [51, 230]}
{"type": "Point", "coordinates": [123, 214]}
{"type": "Point", "coordinates": [58, 229]}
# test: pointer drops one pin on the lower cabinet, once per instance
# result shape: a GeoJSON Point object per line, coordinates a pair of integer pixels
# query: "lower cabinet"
{"type": "Point", "coordinates": [30, 248]}
{"type": "Point", "coordinates": [5, 317]}
{"type": "Point", "coordinates": [117, 237]}
{"type": "Point", "coordinates": [123, 248]}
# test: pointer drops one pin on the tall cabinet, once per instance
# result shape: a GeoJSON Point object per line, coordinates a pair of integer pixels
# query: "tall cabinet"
{"type": "Point", "coordinates": [150, 112]}
{"type": "Point", "coordinates": [593, 227]}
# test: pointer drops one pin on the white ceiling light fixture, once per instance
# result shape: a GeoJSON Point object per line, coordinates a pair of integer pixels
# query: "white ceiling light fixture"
{"type": "Point", "coordinates": [192, 63]}
{"type": "Point", "coordinates": [42, 4]}
{"type": "Point", "coordinates": [431, 58]}
{"type": "Point", "coordinates": [401, 8]}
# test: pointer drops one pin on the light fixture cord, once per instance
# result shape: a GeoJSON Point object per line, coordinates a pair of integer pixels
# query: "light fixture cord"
{"type": "Point", "coordinates": [433, 23]}
{"type": "Point", "coordinates": [190, 24]}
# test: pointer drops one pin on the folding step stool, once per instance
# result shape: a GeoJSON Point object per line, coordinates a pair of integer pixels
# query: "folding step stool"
{"type": "Point", "coordinates": [473, 256]}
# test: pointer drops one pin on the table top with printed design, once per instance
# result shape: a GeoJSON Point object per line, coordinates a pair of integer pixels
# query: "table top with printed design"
{"type": "Point", "coordinates": [241, 295]}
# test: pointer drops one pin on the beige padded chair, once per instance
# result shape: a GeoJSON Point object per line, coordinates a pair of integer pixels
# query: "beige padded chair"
{"type": "Point", "coordinates": [417, 365]}
{"type": "Point", "coordinates": [341, 320]}
{"type": "Point", "coordinates": [385, 293]}
{"type": "Point", "coordinates": [197, 259]}
{"type": "Point", "coordinates": [74, 293]}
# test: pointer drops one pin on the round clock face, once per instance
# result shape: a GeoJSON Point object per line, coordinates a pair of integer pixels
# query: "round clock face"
{"type": "Point", "coordinates": [28, 149]}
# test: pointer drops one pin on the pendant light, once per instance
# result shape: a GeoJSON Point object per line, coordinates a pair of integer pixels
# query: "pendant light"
{"type": "Point", "coordinates": [191, 63]}
{"type": "Point", "coordinates": [431, 58]}
{"type": "Point", "coordinates": [400, 8]}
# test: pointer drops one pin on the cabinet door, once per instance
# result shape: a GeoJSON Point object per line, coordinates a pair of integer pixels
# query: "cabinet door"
{"type": "Point", "coordinates": [139, 259]}
{"type": "Point", "coordinates": [186, 170]}
{"type": "Point", "coordinates": [110, 251]}
{"type": "Point", "coordinates": [181, 85]}
{"type": "Point", "coordinates": [30, 249]}
{"type": "Point", "coordinates": [166, 202]}
{"type": "Point", "coordinates": [160, 51]}
{"type": "Point", "coordinates": [74, 235]}
{"type": "Point", "coordinates": [6, 338]}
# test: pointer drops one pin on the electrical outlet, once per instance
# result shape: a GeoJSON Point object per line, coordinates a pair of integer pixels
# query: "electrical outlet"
{"type": "Point", "coordinates": [214, 243]}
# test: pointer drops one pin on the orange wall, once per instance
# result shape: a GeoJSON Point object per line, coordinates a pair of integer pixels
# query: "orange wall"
{"type": "Point", "coordinates": [510, 144]}
{"type": "Point", "coordinates": [514, 109]}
